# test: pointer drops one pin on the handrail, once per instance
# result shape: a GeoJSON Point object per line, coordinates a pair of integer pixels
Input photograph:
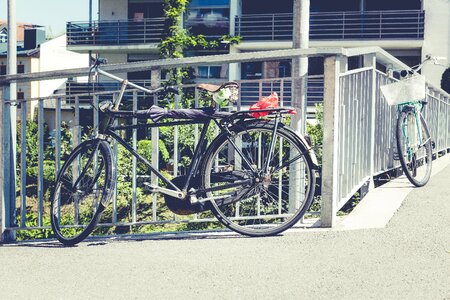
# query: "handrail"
{"type": "Point", "coordinates": [210, 59]}
{"type": "Point", "coordinates": [382, 56]}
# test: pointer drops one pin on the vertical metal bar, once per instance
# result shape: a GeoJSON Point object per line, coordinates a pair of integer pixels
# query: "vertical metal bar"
{"type": "Point", "coordinates": [23, 164]}
{"type": "Point", "coordinates": [57, 135]}
{"type": "Point", "coordinates": [343, 25]}
{"type": "Point", "coordinates": [418, 24]}
{"type": "Point", "coordinates": [40, 161]}
{"type": "Point", "coordinates": [381, 22]}
{"type": "Point", "coordinates": [273, 27]}
{"type": "Point", "coordinates": [175, 142]}
{"type": "Point", "coordinates": [196, 92]}
{"type": "Point", "coordinates": [75, 141]}
{"type": "Point", "coordinates": [58, 144]}
{"type": "Point", "coordinates": [116, 159]}
{"type": "Point", "coordinates": [118, 32]}
{"type": "Point", "coordinates": [133, 177]}
{"type": "Point", "coordinates": [8, 118]}
{"type": "Point", "coordinates": [155, 82]}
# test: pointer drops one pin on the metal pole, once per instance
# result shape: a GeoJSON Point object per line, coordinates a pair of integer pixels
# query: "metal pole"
{"type": "Point", "coordinates": [90, 28]}
{"type": "Point", "coordinates": [300, 40]}
{"type": "Point", "coordinates": [9, 132]}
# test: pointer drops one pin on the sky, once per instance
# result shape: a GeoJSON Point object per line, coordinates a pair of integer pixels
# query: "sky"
{"type": "Point", "coordinates": [52, 14]}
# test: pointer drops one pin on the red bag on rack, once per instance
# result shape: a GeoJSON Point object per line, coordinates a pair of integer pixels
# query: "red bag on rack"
{"type": "Point", "coordinates": [264, 103]}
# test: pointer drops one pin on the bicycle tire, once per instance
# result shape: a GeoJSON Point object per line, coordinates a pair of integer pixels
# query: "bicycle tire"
{"type": "Point", "coordinates": [251, 209]}
{"type": "Point", "coordinates": [416, 163]}
{"type": "Point", "coordinates": [82, 191]}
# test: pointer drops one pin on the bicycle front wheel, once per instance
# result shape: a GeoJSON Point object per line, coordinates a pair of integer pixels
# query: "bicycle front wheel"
{"type": "Point", "coordinates": [259, 181]}
{"type": "Point", "coordinates": [414, 147]}
{"type": "Point", "coordinates": [82, 190]}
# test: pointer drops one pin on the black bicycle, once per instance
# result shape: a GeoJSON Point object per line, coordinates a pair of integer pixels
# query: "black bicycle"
{"type": "Point", "coordinates": [257, 176]}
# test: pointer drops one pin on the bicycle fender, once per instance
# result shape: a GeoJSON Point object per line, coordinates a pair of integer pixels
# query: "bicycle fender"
{"type": "Point", "coordinates": [309, 149]}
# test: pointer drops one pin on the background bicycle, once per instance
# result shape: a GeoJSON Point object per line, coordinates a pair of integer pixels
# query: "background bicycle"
{"type": "Point", "coordinates": [414, 142]}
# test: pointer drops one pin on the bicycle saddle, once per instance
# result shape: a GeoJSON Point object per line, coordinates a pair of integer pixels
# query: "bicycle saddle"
{"type": "Point", "coordinates": [212, 88]}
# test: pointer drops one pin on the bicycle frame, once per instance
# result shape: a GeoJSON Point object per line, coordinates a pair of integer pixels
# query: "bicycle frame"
{"type": "Point", "coordinates": [417, 108]}
{"type": "Point", "coordinates": [108, 129]}
{"type": "Point", "coordinates": [194, 166]}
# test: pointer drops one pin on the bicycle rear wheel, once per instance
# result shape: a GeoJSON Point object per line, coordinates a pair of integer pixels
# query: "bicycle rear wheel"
{"type": "Point", "coordinates": [256, 187]}
{"type": "Point", "coordinates": [414, 147]}
{"type": "Point", "coordinates": [82, 190]}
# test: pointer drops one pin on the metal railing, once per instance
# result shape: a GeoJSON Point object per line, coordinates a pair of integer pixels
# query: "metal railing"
{"type": "Point", "coordinates": [365, 140]}
{"type": "Point", "coordinates": [358, 137]}
{"type": "Point", "coordinates": [121, 32]}
{"type": "Point", "coordinates": [251, 90]}
{"type": "Point", "coordinates": [406, 24]}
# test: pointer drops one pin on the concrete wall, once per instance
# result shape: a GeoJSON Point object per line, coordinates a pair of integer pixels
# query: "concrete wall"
{"type": "Point", "coordinates": [54, 56]}
{"type": "Point", "coordinates": [67, 116]}
{"type": "Point", "coordinates": [437, 37]}
{"type": "Point", "coordinates": [113, 9]}
{"type": "Point", "coordinates": [29, 89]}
{"type": "Point", "coordinates": [115, 58]}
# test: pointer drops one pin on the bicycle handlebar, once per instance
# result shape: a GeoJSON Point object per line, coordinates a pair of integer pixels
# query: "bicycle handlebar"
{"type": "Point", "coordinates": [415, 69]}
{"type": "Point", "coordinates": [100, 61]}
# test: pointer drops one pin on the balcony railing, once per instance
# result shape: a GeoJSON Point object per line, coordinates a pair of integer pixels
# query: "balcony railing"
{"type": "Point", "coordinates": [407, 24]}
{"type": "Point", "coordinates": [121, 32]}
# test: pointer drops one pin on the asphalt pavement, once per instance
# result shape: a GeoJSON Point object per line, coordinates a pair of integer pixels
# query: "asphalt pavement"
{"type": "Point", "coordinates": [409, 258]}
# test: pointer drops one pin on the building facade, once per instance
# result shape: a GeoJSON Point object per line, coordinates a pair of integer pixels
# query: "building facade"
{"type": "Point", "coordinates": [130, 30]}
{"type": "Point", "coordinates": [36, 54]}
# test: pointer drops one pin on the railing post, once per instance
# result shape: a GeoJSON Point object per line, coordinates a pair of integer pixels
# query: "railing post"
{"type": "Point", "coordinates": [7, 167]}
{"type": "Point", "coordinates": [2, 163]}
{"type": "Point", "coordinates": [370, 60]}
{"type": "Point", "coordinates": [155, 82]}
{"type": "Point", "coordinates": [332, 65]}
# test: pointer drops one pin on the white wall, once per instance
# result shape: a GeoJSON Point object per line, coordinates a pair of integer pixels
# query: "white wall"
{"type": "Point", "coordinates": [113, 9]}
{"type": "Point", "coordinates": [54, 56]}
{"type": "Point", "coordinates": [115, 58]}
{"type": "Point", "coordinates": [437, 37]}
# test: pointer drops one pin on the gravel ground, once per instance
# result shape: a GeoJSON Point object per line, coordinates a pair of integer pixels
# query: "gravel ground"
{"type": "Point", "coordinates": [409, 259]}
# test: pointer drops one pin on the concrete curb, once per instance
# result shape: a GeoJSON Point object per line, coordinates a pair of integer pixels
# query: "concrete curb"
{"type": "Point", "coordinates": [379, 205]}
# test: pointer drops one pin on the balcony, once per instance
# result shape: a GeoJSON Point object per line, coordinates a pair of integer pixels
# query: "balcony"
{"type": "Point", "coordinates": [370, 25]}
{"type": "Point", "coordinates": [110, 34]}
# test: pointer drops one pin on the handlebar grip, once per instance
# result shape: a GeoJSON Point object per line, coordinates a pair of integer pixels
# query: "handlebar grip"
{"type": "Point", "coordinates": [102, 61]}
{"type": "Point", "coordinates": [98, 61]}
{"type": "Point", "coordinates": [404, 73]}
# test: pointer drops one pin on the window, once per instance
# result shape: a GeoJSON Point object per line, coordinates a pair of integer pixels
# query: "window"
{"type": "Point", "coordinates": [251, 70]}
{"type": "Point", "coordinates": [209, 71]}
{"type": "Point", "coordinates": [267, 6]}
{"type": "Point", "coordinates": [210, 18]}
{"type": "Point", "coordinates": [20, 96]}
{"type": "Point", "coordinates": [3, 35]}
{"type": "Point", "coordinates": [2, 70]}
{"type": "Point", "coordinates": [20, 69]}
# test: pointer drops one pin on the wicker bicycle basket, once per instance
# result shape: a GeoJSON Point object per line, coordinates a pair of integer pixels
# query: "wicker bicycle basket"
{"type": "Point", "coordinates": [408, 90]}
